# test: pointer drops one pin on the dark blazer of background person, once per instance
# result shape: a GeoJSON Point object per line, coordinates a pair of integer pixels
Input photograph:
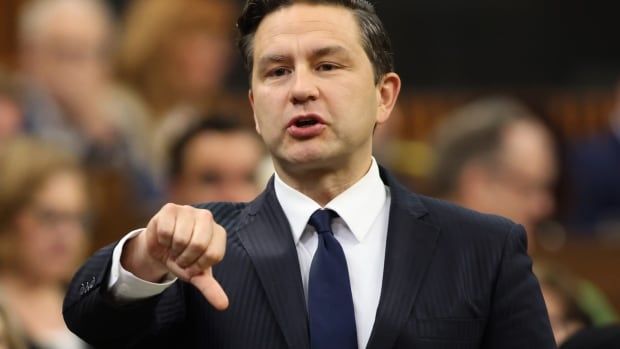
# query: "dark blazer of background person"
{"type": "Point", "coordinates": [453, 278]}
{"type": "Point", "coordinates": [595, 169]}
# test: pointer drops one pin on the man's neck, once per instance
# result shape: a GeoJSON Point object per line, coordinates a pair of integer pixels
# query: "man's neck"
{"type": "Point", "coordinates": [325, 183]}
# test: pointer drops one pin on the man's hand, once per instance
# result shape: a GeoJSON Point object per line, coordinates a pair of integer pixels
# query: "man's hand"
{"type": "Point", "coordinates": [184, 241]}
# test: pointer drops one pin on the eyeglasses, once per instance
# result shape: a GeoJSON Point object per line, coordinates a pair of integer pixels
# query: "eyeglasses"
{"type": "Point", "coordinates": [54, 218]}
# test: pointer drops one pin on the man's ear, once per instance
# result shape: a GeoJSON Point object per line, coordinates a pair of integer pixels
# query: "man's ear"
{"type": "Point", "coordinates": [387, 94]}
{"type": "Point", "coordinates": [251, 98]}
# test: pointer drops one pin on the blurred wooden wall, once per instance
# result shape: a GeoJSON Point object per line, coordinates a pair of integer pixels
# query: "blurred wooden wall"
{"type": "Point", "coordinates": [8, 30]}
{"type": "Point", "coordinates": [575, 113]}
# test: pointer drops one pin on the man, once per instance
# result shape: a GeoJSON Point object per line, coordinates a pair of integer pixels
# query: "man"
{"type": "Point", "coordinates": [392, 270]}
{"type": "Point", "coordinates": [494, 156]}
{"type": "Point", "coordinates": [69, 98]}
{"type": "Point", "coordinates": [214, 160]}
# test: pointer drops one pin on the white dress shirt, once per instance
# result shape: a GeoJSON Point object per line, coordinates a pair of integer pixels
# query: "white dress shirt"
{"type": "Point", "coordinates": [361, 229]}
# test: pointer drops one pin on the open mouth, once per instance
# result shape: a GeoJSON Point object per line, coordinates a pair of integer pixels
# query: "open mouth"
{"type": "Point", "coordinates": [306, 126]}
{"type": "Point", "coordinates": [306, 122]}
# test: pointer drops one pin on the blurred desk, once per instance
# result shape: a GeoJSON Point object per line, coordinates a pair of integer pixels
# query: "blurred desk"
{"type": "Point", "coordinates": [595, 260]}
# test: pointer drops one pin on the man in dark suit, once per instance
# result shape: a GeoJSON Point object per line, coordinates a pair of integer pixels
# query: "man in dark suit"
{"type": "Point", "coordinates": [334, 253]}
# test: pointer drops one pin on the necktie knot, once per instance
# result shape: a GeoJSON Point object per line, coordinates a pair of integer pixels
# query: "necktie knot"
{"type": "Point", "coordinates": [321, 220]}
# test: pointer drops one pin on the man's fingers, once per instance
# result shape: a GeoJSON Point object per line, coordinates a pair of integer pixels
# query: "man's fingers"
{"type": "Point", "coordinates": [190, 242]}
{"type": "Point", "coordinates": [201, 237]}
{"type": "Point", "coordinates": [179, 272]}
{"type": "Point", "coordinates": [183, 229]}
{"type": "Point", "coordinates": [211, 289]}
{"type": "Point", "coordinates": [216, 249]}
{"type": "Point", "coordinates": [163, 225]}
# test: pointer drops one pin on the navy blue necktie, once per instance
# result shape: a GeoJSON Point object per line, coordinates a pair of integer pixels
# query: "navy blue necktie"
{"type": "Point", "coordinates": [330, 304]}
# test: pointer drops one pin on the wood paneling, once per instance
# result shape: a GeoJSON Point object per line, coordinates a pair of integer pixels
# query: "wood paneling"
{"type": "Point", "coordinates": [8, 28]}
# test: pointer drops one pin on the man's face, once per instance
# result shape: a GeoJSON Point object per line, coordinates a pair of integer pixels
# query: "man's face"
{"type": "Point", "coordinates": [69, 51]}
{"type": "Point", "coordinates": [521, 188]}
{"type": "Point", "coordinates": [51, 231]}
{"type": "Point", "coordinates": [313, 92]}
{"type": "Point", "coordinates": [218, 167]}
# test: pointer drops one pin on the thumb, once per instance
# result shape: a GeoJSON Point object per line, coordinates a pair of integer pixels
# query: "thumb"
{"type": "Point", "coordinates": [211, 289]}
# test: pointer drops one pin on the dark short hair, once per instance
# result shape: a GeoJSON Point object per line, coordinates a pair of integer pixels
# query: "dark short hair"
{"type": "Point", "coordinates": [375, 39]}
{"type": "Point", "coordinates": [216, 123]}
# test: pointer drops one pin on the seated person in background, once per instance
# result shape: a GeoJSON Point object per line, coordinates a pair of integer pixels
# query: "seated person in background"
{"type": "Point", "coordinates": [9, 337]}
{"type": "Point", "coordinates": [43, 222]}
{"type": "Point", "coordinates": [175, 55]}
{"type": "Point", "coordinates": [595, 173]}
{"type": "Point", "coordinates": [69, 96]}
{"type": "Point", "coordinates": [215, 160]}
{"type": "Point", "coordinates": [572, 327]}
{"type": "Point", "coordinates": [11, 117]}
{"type": "Point", "coordinates": [494, 156]}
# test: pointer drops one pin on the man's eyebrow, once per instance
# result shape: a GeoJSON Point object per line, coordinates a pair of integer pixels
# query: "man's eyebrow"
{"type": "Point", "coordinates": [315, 54]}
{"type": "Point", "coordinates": [329, 50]}
{"type": "Point", "coordinates": [268, 59]}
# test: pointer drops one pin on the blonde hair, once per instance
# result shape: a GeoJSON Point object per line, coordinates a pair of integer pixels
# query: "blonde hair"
{"type": "Point", "coordinates": [25, 165]}
{"type": "Point", "coordinates": [150, 25]}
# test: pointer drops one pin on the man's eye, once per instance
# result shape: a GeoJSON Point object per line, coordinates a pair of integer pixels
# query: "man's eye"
{"type": "Point", "coordinates": [327, 67]}
{"type": "Point", "coordinates": [278, 72]}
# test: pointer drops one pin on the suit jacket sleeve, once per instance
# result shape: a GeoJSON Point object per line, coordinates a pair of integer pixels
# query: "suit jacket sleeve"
{"type": "Point", "coordinates": [518, 314]}
{"type": "Point", "coordinates": [90, 311]}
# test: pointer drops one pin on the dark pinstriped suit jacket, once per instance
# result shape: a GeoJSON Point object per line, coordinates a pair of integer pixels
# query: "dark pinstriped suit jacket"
{"type": "Point", "coordinates": [453, 278]}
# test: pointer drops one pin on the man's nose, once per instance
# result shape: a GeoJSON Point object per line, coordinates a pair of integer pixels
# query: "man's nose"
{"type": "Point", "coordinates": [304, 87]}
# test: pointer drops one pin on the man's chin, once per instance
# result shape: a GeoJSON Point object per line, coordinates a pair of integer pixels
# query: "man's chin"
{"type": "Point", "coordinates": [306, 161]}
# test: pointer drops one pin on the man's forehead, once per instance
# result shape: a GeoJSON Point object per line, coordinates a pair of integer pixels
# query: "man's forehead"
{"type": "Point", "coordinates": [305, 20]}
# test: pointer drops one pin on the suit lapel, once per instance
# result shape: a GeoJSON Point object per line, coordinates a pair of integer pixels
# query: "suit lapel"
{"type": "Point", "coordinates": [410, 247]}
{"type": "Point", "coordinates": [267, 238]}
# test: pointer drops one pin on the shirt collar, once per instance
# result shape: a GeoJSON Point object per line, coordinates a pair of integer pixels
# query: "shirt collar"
{"type": "Point", "coordinates": [358, 206]}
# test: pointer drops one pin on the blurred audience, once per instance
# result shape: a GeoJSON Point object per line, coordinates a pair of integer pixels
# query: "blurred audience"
{"type": "Point", "coordinates": [494, 156]}
{"type": "Point", "coordinates": [595, 174]}
{"type": "Point", "coordinates": [69, 97]}
{"type": "Point", "coordinates": [573, 327]}
{"type": "Point", "coordinates": [176, 55]}
{"type": "Point", "coordinates": [215, 160]}
{"type": "Point", "coordinates": [11, 117]}
{"type": "Point", "coordinates": [43, 237]}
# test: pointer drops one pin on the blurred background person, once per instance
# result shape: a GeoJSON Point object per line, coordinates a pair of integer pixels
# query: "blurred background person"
{"type": "Point", "coordinates": [215, 160]}
{"type": "Point", "coordinates": [567, 317]}
{"type": "Point", "coordinates": [69, 97]}
{"type": "Point", "coordinates": [65, 52]}
{"type": "Point", "coordinates": [573, 327]}
{"type": "Point", "coordinates": [595, 174]}
{"type": "Point", "coordinates": [11, 117]}
{"type": "Point", "coordinates": [176, 55]}
{"type": "Point", "coordinates": [44, 216]}
{"type": "Point", "coordinates": [494, 156]}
